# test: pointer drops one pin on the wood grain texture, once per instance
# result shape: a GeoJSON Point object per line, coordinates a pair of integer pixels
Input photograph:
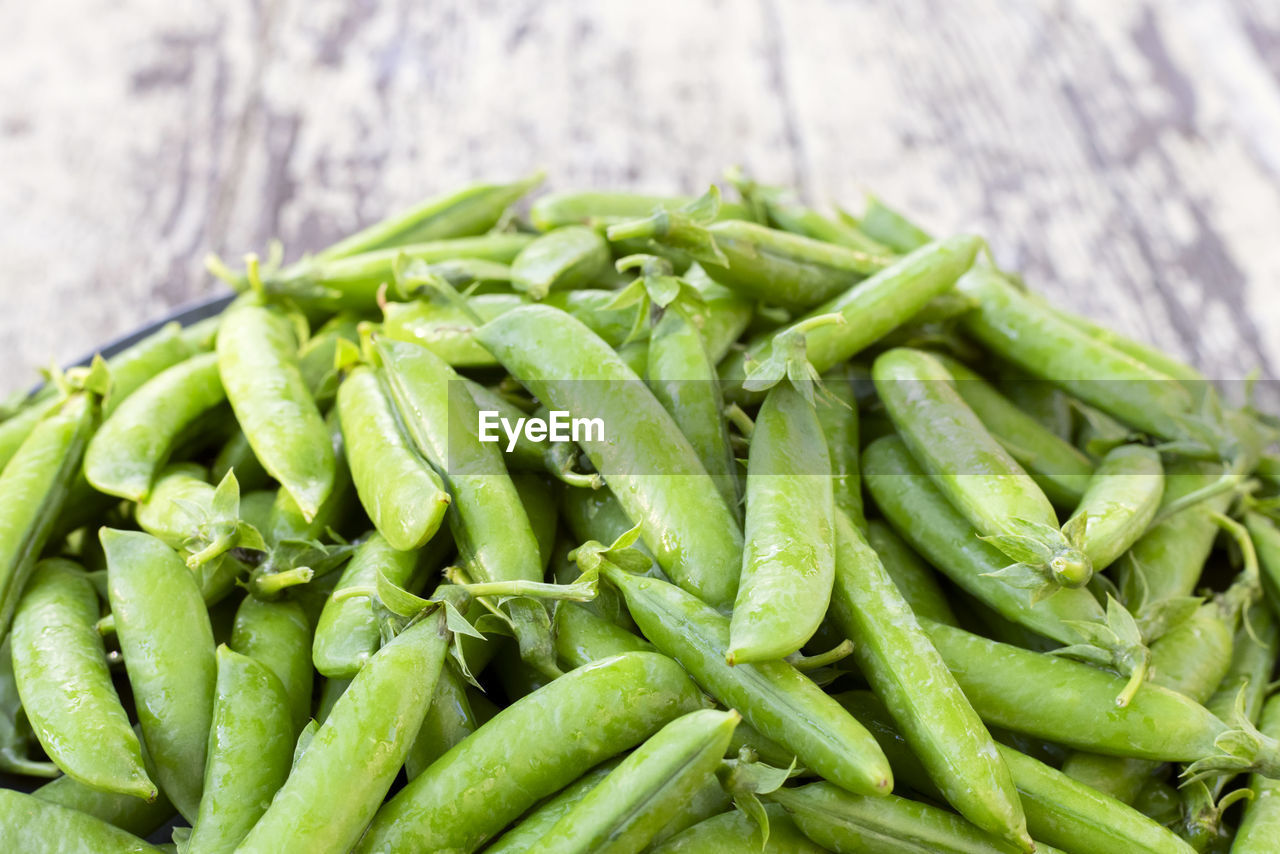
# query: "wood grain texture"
{"type": "Point", "coordinates": [1124, 155]}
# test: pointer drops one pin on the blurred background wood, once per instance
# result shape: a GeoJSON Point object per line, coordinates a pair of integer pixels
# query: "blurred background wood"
{"type": "Point", "coordinates": [1124, 155]}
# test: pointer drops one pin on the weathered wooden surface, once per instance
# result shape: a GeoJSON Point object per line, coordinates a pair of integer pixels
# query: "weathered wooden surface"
{"type": "Point", "coordinates": [1124, 155]}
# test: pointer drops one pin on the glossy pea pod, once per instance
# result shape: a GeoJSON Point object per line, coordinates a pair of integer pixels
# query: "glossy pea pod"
{"type": "Point", "coordinates": [872, 308]}
{"type": "Point", "coordinates": [533, 825]}
{"type": "Point", "coordinates": [782, 210]}
{"type": "Point", "coordinates": [683, 378]}
{"type": "Point", "coordinates": [650, 467]}
{"type": "Point", "coordinates": [130, 814]}
{"type": "Point", "coordinates": [896, 657]}
{"type": "Point", "coordinates": [734, 831]}
{"type": "Point", "coordinates": [35, 826]}
{"type": "Point", "coordinates": [601, 208]}
{"type": "Point", "coordinates": [777, 700]}
{"type": "Point", "coordinates": [854, 824]}
{"type": "Point", "coordinates": [401, 492]}
{"type": "Point", "coordinates": [1253, 656]}
{"type": "Point", "coordinates": [838, 414]}
{"type": "Point", "coordinates": [978, 476]}
{"type": "Point", "coordinates": [133, 444]}
{"type": "Point", "coordinates": [629, 807]}
{"type": "Point", "coordinates": [258, 363]}
{"type": "Point", "coordinates": [888, 226]}
{"type": "Point", "coordinates": [250, 753]}
{"type": "Point", "coordinates": [788, 558]}
{"type": "Point", "coordinates": [33, 488]}
{"type": "Point", "coordinates": [567, 258]}
{"type": "Point", "coordinates": [16, 738]}
{"type": "Point", "coordinates": [583, 637]}
{"type": "Point", "coordinates": [60, 666]}
{"type": "Point", "coordinates": [278, 635]}
{"type": "Point", "coordinates": [1060, 469]}
{"type": "Point", "coordinates": [1119, 504]}
{"type": "Point", "coordinates": [1145, 353]}
{"type": "Point", "coordinates": [1018, 328]}
{"type": "Point", "coordinates": [1260, 827]}
{"type": "Point", "coordinates": [1266, 539]}
{"type": "Point", "coordinates": [168, 648]}
{"type": "Point", "coordinates": [344, 774]}
{"type": "Point", "coordinates": [598, 710]}
{"type": "Point", "coordinates": [914, 579]}
{"type": "Point", "coordinates": [449, 720]}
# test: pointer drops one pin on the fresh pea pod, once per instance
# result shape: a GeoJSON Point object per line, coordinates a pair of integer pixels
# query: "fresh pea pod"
{"type": "Point", "coordinates": [561, 260]}
{"type": "Point", "coordinates": [1059, 468]}
{"type": "Point", "coordinates": [914, 579]}
{"type": "Point", "coordinates": [16, 738]}
{"type": "Point", "coordinates": [258, 363]}
{"type": "Point", "coordinates": [626, 810]}
{"type": "Point", "coordinates": [61, 670]}
{"type": "Point", "coordinates": [896, 657]}
{"type": "Point", "coordinates": [130, 814]}
{"type": "Point", "coordinates": [1253, 656]}
{"type": "Point", "coordinates": [250, 753]}
{"type": "Point", "coordinates": [583, 637]}
{"type": "Point", "coordinates": [36, 826]}
{"type": "Point", "coordinates": [1266, 539]}
{"type": "Point", "coordinates": [838, 414]}
{"type": "Point", "coordinates": [449, 720]}
{"type": "Point", "coordinates": [776, 699]}
{"type": "Point", "coordinates": [974, 471]}
{"type": "Point", "coordinates": [780, 208]}
{"type": "Point", "coordinates": [133, 444]}
{"type": "Point", "coordinates": [1119, 504]}
{"type": "Point", "coordinates": [345, 772]}
{"type": "Point", "coordinates": [1050, 406]}
{"type": "Point", "coordinates": [534, 825]}
{"type": "Point", "coordinates": [278, 635]}
{"type": "Point", "coordinates": [599, 710]}
{"type": "Point", "coordinates": [886, 225]}
{"type": "Point", "coordinates": [400, 491]}
{"type": "Point", "coordinates": [1260, 827]}
{"type": "Point", "coordinates": [168, 648]}
{"type": "Point", "coordinates": [734, 831]}
{"type": "Point", "coordinates": [1156, 359]}
{"type": "Point", "coordinates": [600, 209]}
{"type": "Point", "coordinates": [1021, 330]}
{"type": "Point", "coordinates": [236, 455]}
{"type": "Point", "coordinates": [788, 558]}
{"type": "Point", "coordinates": [651, 469]}
{"type": "Point", "coordinates": [721, 315]}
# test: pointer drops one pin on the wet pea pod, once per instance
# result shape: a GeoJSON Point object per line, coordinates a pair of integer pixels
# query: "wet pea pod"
{"type": "Point", "coordinates": [1156, 359]}
{"type": "Point", "coordinates": [978, 476]}
{"type": "Point", "coordinates": [258, 364]}
{"type": "Point", "coordinates": [897, 658]}
{"type": "Point", "coordinates": [449, 720]}
{"type": "Point", "coordinates": [914, 579]}
{"type": "Point", "coordinates": [1018, 328]}
{"type": "Point", "coordinates": [774, 697]}
{"type": "Point", "coordinates": [628, 808]}
{"type": "Point", "coordinates": [838, 414]}
{"type": "Point", "coordinates": [1060, 469]}
{"type": "Point", "coordinates": [872, 308]}
{"type": "Point", "coordinates": [650, 467]}
{"type": "Point", "coordinates": [33, 825]}
{"type": "Point", "coordinates": [130, 814]}
{"type": "Point", "coordinates": [583, 637]}
{"type": "Point", "coordinates": [167, 642]}
{"type": "Point", "coordinates": [1044, 696]}
{"type": "Point", "coordinates": [134, 443]}
{"type": "Point", "coordinates": [734, 831]}
{"type": "Point", "coordinates": [772, 266]}
{"type": "Point", "coordinates": [564, 259]}
{"type": "Point", "coordinates": [401, 492]}
{"type": "Point", "coordinates": [601, 209]}
{"type": "Point", "coordinates": [1119, 504]}
{"type": "Point", "coordinates": [278, 636]}
{"type": "Point", "coordinates": [348, 766]}
{"type": "Point", "coordinates": [599, 710]}
{"type": "Point", "coordinates": [1260, 826]}
{"type": "Point", "coordinates": [534, 824]}
{"type": "Point", "coordinates": [888, 226]}
{"type": "Point", "coordinates": [923, 516]}
{"type": "Point", "coordinates": [60, 666]}
{"type": "Point", "coordinates": [16, 738]}
{"type": "Point", "coordinates": [780, 208]}
{"type": "Point", "coordinates": [250, 752]}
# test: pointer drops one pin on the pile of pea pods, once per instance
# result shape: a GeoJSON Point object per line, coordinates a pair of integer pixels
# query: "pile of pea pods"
{"type": "Point", "coordinates": [855, 544]}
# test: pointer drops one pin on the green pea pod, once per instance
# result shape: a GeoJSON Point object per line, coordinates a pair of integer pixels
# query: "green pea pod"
{"type": "Point", "coordinates": [1253, 654]}
{"type": "Point", "coordinates": [250, 753]}
{"type": "Point", "coordinates": [1057, 466]}
{"type": "Point", "coordinates": [1156, 359]}
{"type": "Point", "coordinates": [972, 469]}
{"type": "Point", "coordinates": [788, 558]}
{"type": "Point", "coordinates": [541, 504]}
{"type": "Point", "coordinates": [890, 825]}
{"type": "Point", "coordinates": [781, 209]}
{"type": "Point", "coordinates": [399, 489]}
{"type": "Point", "coordinates": [734, 831]}
{"type": "Point", "coordinates": [464, 212]}
{"type": "Point", "coordinates": [721, 316]}
{"type": "Point", "coordinates": [561, 260]}
{"type": "Point", "coordinates": [338, 783]}
{"type": "Point", "coordinates": [776, 699]}
{"type": "Point", "coordinates": [168, 648]}
{"type": "Point", "coordinates": [838, 413]}
{"type": "Point", "coordinates": [886, 225]}
{"type": "Point", "coordinates": [130, 814]}
{"type": "Point", "coordinates": [36, 826]}
{"type": "Point", "coordinates": [61, 670]}
{"type": "Point", "coordinates": [600, 209]}
{"type": "Point", "coordinates": [683, 378]}
{"type": "Point", "coordinates": [650, 467]}
{"type": "Point", "coordinates": [598, 710]}
{"type": "Point", "coordinates": [1060, 700]}
{"type": "Point", "coordinates": [1119, 504]}
{"type": "Point", "coordinates": [449, 720]}
{"type": "Point", "coordinates": [1266, 539]}
{"type": "Point", "coordinates": [914, 579]}
{"type": "Point", "coordinates": [14, 431]}
{"type": "Point", "coordinates": [34, 487]}
{"type": "Point", "coordinates": [134, 443]}
{"type": "Point", "coordinates": [487, 520]}
{"type": "Point", "coordinates": [1050, 406]}
{"type": "Point", "coordinates": [583, 637]}
{"type": "Point", "coordinates": [626, 810]}
{"type": "Point", "coordinates": [1260, 827]}
{"type": "Point", "coordinates": [1020, 329]}
{"type": "Point", "coordinates": [896, 657]}
{"type": "Point", "coordinates": [236, 455]}
{"type": "Point", "coordinates": [258, 363]}
{"type": "Point", "coordinates": [922, 516]}
{"type": "Point", "coordinates": [534, 825]}
{"type": "Point", "coordinates": [872, 308]}
{"type": "Point", "coordinates": [278, 636]}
